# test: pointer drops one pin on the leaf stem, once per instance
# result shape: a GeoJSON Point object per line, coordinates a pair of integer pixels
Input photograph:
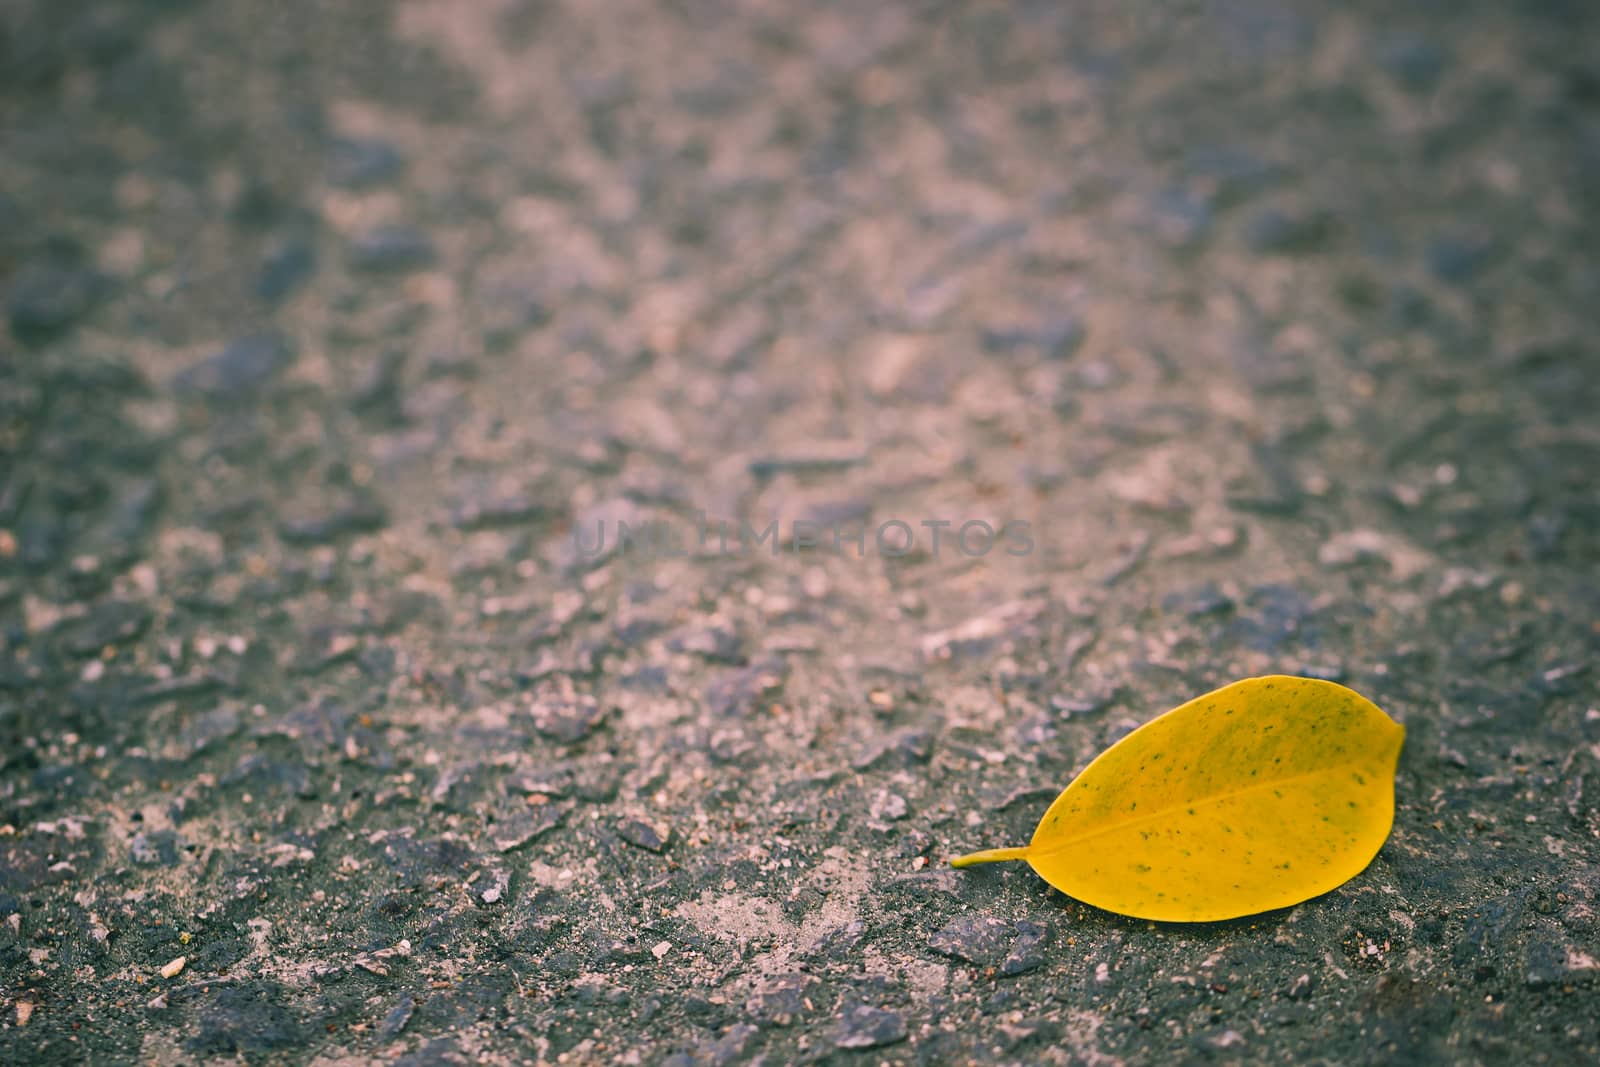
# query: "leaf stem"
{"type": "Point", "coordinates": [991, 855]}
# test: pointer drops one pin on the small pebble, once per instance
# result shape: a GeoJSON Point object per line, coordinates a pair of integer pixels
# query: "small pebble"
{"type": "Point", "coordinates": [641, 834]}
{"type": "Point", "coordinates": [174, 968]}
{"type": "Point", "coordinates": [863, 1027]}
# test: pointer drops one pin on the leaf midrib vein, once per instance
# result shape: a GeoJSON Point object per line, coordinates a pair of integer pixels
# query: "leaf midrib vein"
{"type": "Point", "coordinates": [1057, 846]}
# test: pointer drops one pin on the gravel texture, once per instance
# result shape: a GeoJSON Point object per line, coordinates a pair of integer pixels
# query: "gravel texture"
{"type": "Point", "coordinates": [329, 330]}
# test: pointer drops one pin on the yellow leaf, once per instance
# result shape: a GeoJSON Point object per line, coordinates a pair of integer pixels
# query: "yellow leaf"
{"type": "Point", "coordinates": [1262, 794]}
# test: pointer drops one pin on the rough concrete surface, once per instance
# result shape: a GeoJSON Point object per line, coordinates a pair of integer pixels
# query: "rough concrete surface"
{"type": "Point", "coordinates": [327, 325]}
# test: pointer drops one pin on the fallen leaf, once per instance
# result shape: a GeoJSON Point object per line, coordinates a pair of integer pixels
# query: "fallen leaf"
{"type": "Point", "coordinates": [1260, 795]}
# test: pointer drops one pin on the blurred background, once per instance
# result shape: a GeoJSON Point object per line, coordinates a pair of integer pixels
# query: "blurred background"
{"type": "Point", "coordinates": [328, 327]}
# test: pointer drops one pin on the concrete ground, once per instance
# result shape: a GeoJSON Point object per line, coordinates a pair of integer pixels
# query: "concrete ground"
{"type": "Point", "coordinates": [1263, 335]}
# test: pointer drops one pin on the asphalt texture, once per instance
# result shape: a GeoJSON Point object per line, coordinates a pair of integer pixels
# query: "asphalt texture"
{"type": "Point", "coordinates": [1262, 334]}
